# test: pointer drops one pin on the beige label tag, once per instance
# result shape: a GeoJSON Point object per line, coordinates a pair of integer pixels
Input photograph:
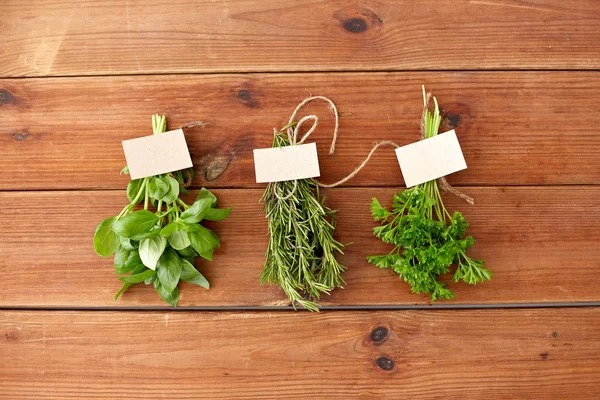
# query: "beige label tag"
{"type": "Point", "coordinates": [431, 158]}
{"type": "Point", "coordinates": [286, 163]}
{"type": "Point", "coordinates": [157, 154]}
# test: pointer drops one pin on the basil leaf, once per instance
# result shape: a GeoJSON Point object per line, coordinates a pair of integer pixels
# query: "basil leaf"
{"type": "Point", "coordinates": [120, 261]}
{"type": "Point", "coordinates": [191, 227]}
{"type": "Point", "coordinates": [158, 187]}
{"type": "Point", "coordinates": [179, 176]}
{"type": "Point", "coordinates": [170, 297]}
{"type": "Point", "coordinates": [147, 235]}
{"type": "Point", "coordinates": [122, 290]}
{"type": "Point", "coordinates": [121, 256]}
{"type": "Point", "coordinates": [207, 194]}
{"type": "Point", "coordinates": [179, 240]}
{"type": "Point", "coordinates": [127, 285]}
{"type": "Point", "coordinates": [188, 252]}
{"type": "Point", "coordinates": [138, 278]}
{"type": "Point", "coordinates": [136, 223]}
{"type": "Point", "coordinates": [106, 242]}
{"type": "Point", "coordinates": [208, 255]}
{"type": "Point", "coordinates": [169, 229]}
{"type": "Point", "coordinates": [150, 280]}
{"type": "Point", "coordinates": [129, 244]}
{"type": "Point", "coordinates": [173, 191]}
{"type": "Point", "coordinates": [151, 250]}
{"type": "Point", "coordinates": [203, 239]}
{"type": "Point", "coordinates": [133, 261]}
{"type": "Point", "coordinates": [217, 214]}
{"type": "Point", "coordinates": [191, 275]}
{"type": "Point", "coordinates": [189, 259]}
{"type": "Point", "coordinates": [196, 212]}
{"type": "Point", "coordinates": [133, 188]}
{"type": "Point", "coordinates": [168, 269]}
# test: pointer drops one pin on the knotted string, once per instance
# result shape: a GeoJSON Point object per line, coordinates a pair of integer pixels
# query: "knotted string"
{"type": "Point", "coordinates": [444, 185]}
{"type": "Point", "coordinates": [292, 134]}
{"type": "Point", "coordinates": [292, 131]}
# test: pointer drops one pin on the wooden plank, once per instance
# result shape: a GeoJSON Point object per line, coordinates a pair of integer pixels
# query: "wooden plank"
{"type": "Point", "coordinates": [541, 244]}
{"type": "Point", "coordinates": [515, 128]}
{"type": "Point", "coordinates": [46, 38]}
{"type": "Point", "coordinates": [459, 354]}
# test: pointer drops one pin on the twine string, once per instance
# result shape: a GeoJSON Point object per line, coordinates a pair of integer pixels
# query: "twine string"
{"type": "Point", "coordinates": [292, 134]}
{"type": "Point", "coordinates": [360, 166]}
{"type": "Point", "coordinates": [444, 185]}
{"type": "Point", "coordinates": [293, 131]}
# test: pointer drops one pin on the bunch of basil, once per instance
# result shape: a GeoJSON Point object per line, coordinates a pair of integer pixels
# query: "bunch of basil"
{"type": "Point", "coordinates": [159, 248]}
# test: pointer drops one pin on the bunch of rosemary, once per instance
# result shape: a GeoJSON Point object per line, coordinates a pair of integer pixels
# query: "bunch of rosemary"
{"type": "Point", "coordinates": [300, 257]}
{"type": "Point", "coordinates": [427, 239]}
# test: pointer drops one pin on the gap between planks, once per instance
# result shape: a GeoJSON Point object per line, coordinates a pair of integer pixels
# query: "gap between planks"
{"type": "Point", "coordinates": [389, 307]}
{"type": "Point", "coordinates": [198, 187]}
{"type": "Point", "coordinates": [302, 72]}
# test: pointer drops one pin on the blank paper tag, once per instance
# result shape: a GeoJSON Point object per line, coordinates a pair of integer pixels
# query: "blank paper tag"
{"type": "Point", "coordinates": [286, 163]}
{"type": "Point", "coordinates": [157, 154]}
{"type": "Point", "coordinates": [431, 158]}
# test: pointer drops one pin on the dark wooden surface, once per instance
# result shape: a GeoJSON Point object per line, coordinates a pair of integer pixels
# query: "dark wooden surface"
{"type": "Point", "coordinates": [111, 37]}
{"type": "Point", "coordinates": [541, 247]}
{"type": "Point", "coordinates": [519, 82]}
{"type": "Point", "coordinates": [458, 354]}
{"type": "Point", "coordinates": [515, 128]}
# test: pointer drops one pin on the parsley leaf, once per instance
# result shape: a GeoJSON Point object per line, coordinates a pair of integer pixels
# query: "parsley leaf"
{"type": "Point", "coordinates": [427, 239]}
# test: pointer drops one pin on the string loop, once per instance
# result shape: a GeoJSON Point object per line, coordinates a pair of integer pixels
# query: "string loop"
{"type": "Point", "coordinates": [293, 130]}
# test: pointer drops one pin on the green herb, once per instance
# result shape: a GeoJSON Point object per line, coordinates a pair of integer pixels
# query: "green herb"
{"type": "Point", "coordinates": [301, 254]}
{"type": "Point", "coordinates": [427, 239]}
{"type": "Point", "coordinates": [159, 248]}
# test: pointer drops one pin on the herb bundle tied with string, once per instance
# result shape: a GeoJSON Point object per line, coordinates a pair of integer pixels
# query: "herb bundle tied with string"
{"type": "Point", "coordinates": [302, 250]}
{"type": "Point", "coordinates": [159, 248]}
{"type": "Point", "coordinates": [427, 239]}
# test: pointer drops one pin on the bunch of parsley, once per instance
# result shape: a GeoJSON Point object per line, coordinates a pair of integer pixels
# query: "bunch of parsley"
{"type": "Point", "coordinates": [427, 239]}
{"type": "Point", "coordinates": [159, 248]}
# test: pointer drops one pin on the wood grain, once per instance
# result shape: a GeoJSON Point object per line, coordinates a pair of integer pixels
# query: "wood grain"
{"type": "Point", "coordinates": [77, 78]}
{"type": "Point", "coordinates": [514, 128]}
{"type": "Point", "coordinates": [460, 354]}
{"type": "Point", "coordinates": [46, 38]}
{"type": "Point", "coordinates": [541, 244]}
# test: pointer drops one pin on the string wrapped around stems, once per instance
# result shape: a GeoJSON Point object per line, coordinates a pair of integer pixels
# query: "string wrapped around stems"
{"type": "Point", "coordinates": [427, 238]}
{"type": "Point", "coordinates": [301, 255]}
{"type": "Point", "coordinates": [292, 129]}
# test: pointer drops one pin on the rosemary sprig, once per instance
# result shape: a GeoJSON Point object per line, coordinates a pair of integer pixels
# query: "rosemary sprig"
{"type": "Point", "coordinates": [300, 257]}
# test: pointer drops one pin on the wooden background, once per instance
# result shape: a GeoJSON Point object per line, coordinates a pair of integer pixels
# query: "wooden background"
{"type": "Point", "coordinates": [518, 80]}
